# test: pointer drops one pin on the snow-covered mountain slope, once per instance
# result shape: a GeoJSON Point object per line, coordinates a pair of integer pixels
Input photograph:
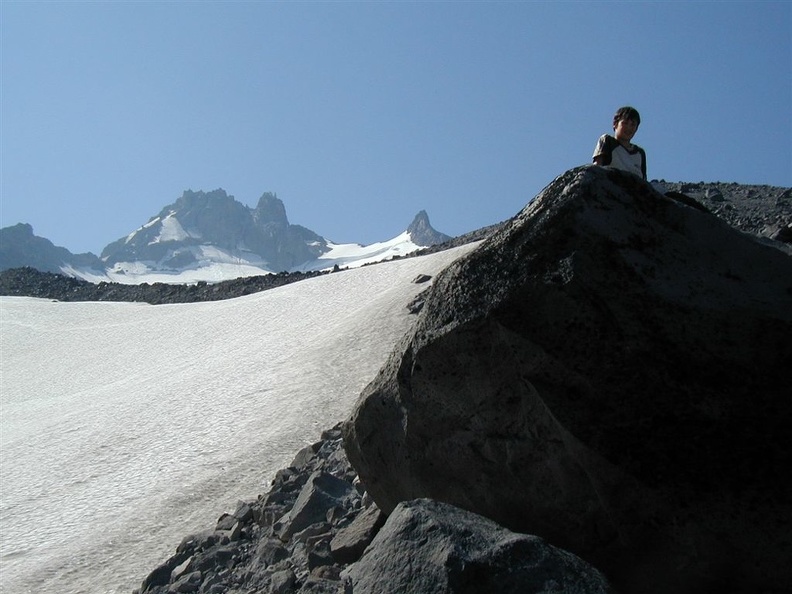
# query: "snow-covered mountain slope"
{"type": "Point", "coordinates": [261, 236]}
{"type": "Point", "coordinates": [127, 426]}
{"type": "Point", "coordinates": [213, 264]}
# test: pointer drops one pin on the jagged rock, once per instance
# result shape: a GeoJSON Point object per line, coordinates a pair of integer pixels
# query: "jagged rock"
{"type": "Point", "coordinates": [322, 492]}
{"type": "Point", "coordinates": [427, 546]}
{"type": "Point", "coordinates": [188, 583]}
{"type": "Point", "coordinates": [416, 303]}
{"type": "Point", "coordinates": [162, 575]}
{"type": "Point", "coordinates": [269, 552]}
{"type": "Point", "coordinates": [282, 581]}
{"type": "Point", "coordinates": [609, 371]}
{"type": "Point", "coordinates": [350, 542]}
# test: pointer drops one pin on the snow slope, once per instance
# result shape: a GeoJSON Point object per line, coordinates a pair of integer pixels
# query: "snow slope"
{"type": "Point", "coordinates": [353, 255]}
{"type": "Point", "coordinates": [125, 427]}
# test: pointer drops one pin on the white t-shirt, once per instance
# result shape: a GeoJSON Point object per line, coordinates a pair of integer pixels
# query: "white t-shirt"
{"type": "Point", "coordinates": [615, 155]}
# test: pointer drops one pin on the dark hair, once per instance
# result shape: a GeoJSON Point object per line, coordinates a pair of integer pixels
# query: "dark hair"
{"type": "Point", "coordinates": [627, 113]}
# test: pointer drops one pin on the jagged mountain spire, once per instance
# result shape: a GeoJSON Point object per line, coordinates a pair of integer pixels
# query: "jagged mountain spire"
{"type": "Point", "coordinates": [422, 233]}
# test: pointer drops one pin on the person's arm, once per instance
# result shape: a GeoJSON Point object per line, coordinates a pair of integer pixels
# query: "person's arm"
{"type": "Point", "coordinates": [602, 152]}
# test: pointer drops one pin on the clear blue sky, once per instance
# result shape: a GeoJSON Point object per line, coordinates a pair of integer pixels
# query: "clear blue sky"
{"type": "Point", "coordinates": [360, 114]}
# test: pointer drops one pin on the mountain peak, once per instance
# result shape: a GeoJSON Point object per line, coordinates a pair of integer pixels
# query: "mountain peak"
{"type": "Point", "coordinates": [270, 209]}
{"type": "Point", "coordinates": [422, 233]}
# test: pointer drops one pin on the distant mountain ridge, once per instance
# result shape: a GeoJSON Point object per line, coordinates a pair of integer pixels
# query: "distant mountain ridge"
{"type": "Point", "coordinates": [208, 236]}
{"type": "Point", "coordinates": [19, 247]}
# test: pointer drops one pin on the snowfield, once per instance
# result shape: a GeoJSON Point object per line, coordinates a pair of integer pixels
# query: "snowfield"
{"type": "Point", "coordinates": [126, 427]}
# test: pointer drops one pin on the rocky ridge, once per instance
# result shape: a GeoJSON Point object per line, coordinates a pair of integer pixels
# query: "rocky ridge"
{"type": "Point", "coordinates": [29, 282]}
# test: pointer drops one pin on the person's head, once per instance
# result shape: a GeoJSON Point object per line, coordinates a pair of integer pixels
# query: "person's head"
{"type": "Point", "coordinates": [625, 123]}
{"type": "Point", "coordinates": [627, 113]}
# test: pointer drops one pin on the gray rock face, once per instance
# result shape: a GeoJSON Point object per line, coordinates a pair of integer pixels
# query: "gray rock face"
{"type": "Point", "coordinates": [609, 371]}
{"type": "Point", "coordinates": [430, 547]}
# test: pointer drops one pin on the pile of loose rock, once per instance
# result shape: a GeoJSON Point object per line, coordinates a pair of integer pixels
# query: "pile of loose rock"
{"type": "Point", "coordinates": [296, 538]}
{"type": "Point", "coordinates": [309, 533]}
{"type": "Point", "coordinates": [29, 282]}
{"type": "Point", "coordinates": [765, 211]}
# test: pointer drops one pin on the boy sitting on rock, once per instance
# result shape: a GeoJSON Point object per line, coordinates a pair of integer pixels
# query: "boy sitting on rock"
{"type": "Point", "coordinates": [617, 150]}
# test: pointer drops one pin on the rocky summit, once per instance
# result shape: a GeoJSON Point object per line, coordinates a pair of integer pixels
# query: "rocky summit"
{"type": "Point", "coordinates": [609, 371]}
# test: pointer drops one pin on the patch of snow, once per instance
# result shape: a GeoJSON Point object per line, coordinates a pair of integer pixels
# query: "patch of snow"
{"type": "Point", "coordinates": [212, 265]}
{"type": "Point", "coordinates": [171, 230]}
{"type": "Point", "coordinates": [353, 255]}
{"type": "Point", "coordinates": [151, 223]}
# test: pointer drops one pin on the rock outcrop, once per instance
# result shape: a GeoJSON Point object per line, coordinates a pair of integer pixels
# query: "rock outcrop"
{"type": "Point", "coordinates": [609, 371]}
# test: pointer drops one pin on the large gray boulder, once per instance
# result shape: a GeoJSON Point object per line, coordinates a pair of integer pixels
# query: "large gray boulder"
{"type": "Point", "coordinates": [609, 371]}
{"type": "Point", "coordinates": [427, 547]}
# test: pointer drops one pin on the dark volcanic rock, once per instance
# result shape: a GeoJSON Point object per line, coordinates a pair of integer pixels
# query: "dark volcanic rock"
{"type": "Point", "coordinates": [609, 371]}
{"type": "Point", "coordinates": [765, 211]}
{"type": "Point", "coordinates": [431, 547]}
{"type": "Point", "coordinates": [348, 545]}
{"type": "Point", "coordinates": [279, 543]}
{"type": "Point", "coordinates": [317, 519]}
